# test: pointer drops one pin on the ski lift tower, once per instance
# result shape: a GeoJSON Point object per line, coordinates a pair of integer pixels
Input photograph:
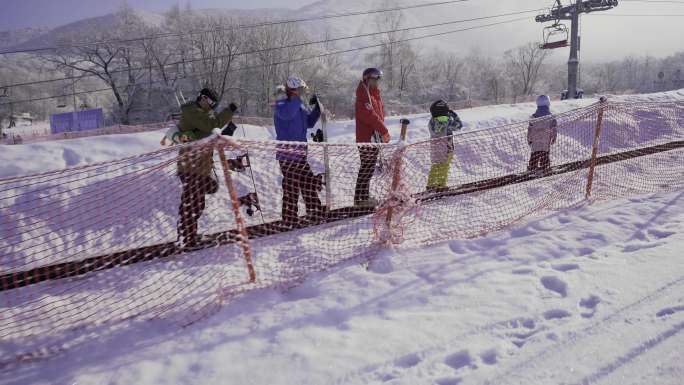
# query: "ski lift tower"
{"type": "Point", "coordinates": [3, 96]}
{"type": "Point", "coordinates": [571, 12]}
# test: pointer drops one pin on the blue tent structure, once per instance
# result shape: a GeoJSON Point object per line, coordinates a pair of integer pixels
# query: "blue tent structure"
{"type": "Point", "coordinates": [77, 121]}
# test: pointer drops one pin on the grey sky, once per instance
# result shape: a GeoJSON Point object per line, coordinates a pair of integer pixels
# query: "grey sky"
{"type": "Point", "coordinates": [603, 37]}
{"type": "Point", "coordinates": [52, 13]}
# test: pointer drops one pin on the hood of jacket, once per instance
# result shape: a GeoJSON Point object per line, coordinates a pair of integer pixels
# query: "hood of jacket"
{"type": "Point", "coordinates": [542, 111]}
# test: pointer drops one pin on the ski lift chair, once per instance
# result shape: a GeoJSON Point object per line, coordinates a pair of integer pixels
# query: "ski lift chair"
{"type": "Point", "coordinates": [61, 102]}
{"type": "Point", "coordinates": [555, 36]}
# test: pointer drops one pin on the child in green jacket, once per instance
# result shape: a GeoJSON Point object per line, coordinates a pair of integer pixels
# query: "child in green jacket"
{"type": "Point", "coordinates": [442, 126]}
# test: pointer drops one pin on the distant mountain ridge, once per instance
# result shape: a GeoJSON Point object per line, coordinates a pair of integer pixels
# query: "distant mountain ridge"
{"type": "Point", "coordinates": [340, 26]}
{"type": "Point", "coordinates": [14, 38]}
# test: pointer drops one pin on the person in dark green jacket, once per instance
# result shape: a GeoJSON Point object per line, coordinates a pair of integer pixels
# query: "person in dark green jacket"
{"type": "Point", "coordinates": [195, 165]}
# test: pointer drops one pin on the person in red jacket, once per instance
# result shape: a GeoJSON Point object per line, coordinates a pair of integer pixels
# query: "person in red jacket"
{"type": "Point", "coordinates": [370, 128]}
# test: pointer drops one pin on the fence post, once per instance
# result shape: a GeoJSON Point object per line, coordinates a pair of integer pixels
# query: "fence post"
{"type": "Point", "coordinates": [239, 219]}
{"type": "Point", "coordinates": [396, 177]}
{"type": "Point", "coordinates": [595, 147]}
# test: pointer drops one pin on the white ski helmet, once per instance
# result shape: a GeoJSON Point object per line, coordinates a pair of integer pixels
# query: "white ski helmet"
{"type": "Point", "coordinates": [295, 82]}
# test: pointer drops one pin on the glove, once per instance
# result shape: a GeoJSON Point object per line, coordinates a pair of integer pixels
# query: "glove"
{"type": "Point", "coordinates": [318, 136]}
{"type": "Point", "coordinates": [386, 138]}
{"type": "Point", "coordinates": [314, 102]}
{"type": "Point", "coordinates": [229, 130]}
{"type": "Point", "coordinates": [233, 107]}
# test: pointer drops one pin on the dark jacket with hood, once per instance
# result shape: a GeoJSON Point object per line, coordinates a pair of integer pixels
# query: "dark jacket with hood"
{"type": "Point", "coordinates": [198, 124]}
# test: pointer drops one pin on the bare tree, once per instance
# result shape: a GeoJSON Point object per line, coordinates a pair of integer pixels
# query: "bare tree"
{"type": "Point", "coordinates": [216, 41]}
{"type": "Point", "coordinates": [270, 66]}
{"type": "Point", "coordinates": [523, 65]}
{"type": "Point", "coordinates": [117, 64]}
{"type": "Point", "coordinates": [451, 68]}
{"type": "Point", "coordinates": [406, 63]}
{"type": "Point", "coordinates": [391, 46]}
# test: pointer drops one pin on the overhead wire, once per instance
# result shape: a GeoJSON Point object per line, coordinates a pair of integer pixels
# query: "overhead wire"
{"type": "Point", "coordinates": [318, 56]}
{"type": "Point", "coordinates": [246, 26]}
{"type": "Point", "coordinates": [252, 52]}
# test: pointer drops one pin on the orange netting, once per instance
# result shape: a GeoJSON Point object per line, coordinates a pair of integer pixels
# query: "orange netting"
{"type": "Point", "coordinates": [177, 232]}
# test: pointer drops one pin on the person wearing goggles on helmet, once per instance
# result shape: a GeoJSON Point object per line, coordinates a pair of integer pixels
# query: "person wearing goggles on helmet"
{"type": "Point", "coordinates": [195, 165]}
{"type": "Point", "coordinates": [370, 128]}
{"type": "Point", "coordinates": [292, 118]}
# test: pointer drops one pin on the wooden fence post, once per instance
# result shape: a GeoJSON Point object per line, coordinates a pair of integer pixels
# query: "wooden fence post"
{"type": "Point", "coordinates": [239, 219]}
{"type": "Point", "coordinates": [396, 177]}
{"type": "Point", "coordinates": [595, 147]}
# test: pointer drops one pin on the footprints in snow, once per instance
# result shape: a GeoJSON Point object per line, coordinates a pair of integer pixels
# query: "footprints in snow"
{"type": "Point", "coordinates": [556, 314]}
{"type": "Point", "coordinates": [647, 239]}
{"type": "Point", "coordinates": [565, 267]}
{"type": "Point", "coordinates": [408, 361]}
{"type": "Point", "coordinates": [521, 330]}
{"type": "Point", "coordinates": [589, 304]}
{"type": "Point", "coordinates": [555, 284]}
{"type": "Point", "coordinates": [458, 362]}
{"type": "Point", "coordinates": [490, 357]}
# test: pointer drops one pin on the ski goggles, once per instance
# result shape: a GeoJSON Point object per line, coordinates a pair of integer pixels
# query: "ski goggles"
{"type": "Point", "coordinates": [209, 101]}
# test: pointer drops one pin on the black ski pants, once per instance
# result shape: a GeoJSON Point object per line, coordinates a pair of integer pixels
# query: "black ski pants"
{"type": "Point", "coordinates": [298, 179]}
{"type": "Point", "coordinates": [369, 158]}
{"type": "Point", "coordinates": [193, 201]}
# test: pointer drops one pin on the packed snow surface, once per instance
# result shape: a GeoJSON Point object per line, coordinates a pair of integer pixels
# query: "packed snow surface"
{"type": "Point", "coordinates": [585, 296]}
{"type": "Point", "coordinates": [589, 295]}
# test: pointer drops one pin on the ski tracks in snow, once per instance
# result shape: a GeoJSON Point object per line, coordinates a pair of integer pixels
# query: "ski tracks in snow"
{"type": "Point", "coordinates": [559, 343]}
{"type": "Point", "coordinates": [556, 353]}
{"type": "Point", "coordinates": [641, 322]}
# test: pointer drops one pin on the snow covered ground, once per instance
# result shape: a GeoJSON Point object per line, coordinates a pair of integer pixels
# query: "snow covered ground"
{"type": "Point", "coordinates": [581, 296]}
{"type": "Point", "coordinates": [585, 296]}
{"type": "Point", "coordinates": [19, 160]}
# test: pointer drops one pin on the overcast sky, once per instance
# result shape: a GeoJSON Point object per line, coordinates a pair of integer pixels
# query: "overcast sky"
{"type": "Point", "coordinates": [604, 37]}
{"type": "Point", "coordinates": [52, 13]}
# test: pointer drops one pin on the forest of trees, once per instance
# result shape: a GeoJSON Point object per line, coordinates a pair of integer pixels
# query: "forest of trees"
{"type": "Point", "coordinates": [142, 78]}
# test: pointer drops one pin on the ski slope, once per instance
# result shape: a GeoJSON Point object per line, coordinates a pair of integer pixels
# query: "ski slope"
{"type": "Point", "coordinates": [591, 295]}
{"type": "Point", "coordinates": [17, 160]}
{"type": "Point", "coordinates": [585, 296]}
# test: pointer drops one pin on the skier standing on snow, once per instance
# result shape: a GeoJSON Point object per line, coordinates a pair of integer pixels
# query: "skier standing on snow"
{"type": "Point", "coordinates": [541, 134]}
{"type": "Point", "coordinates": [442, 125]}
{"type": "Point", "coordinates": [370, 128]}
{"type": "Point", "coordinates": [195, 165]}
{"type": "Point", "coordinates": [292, 119]}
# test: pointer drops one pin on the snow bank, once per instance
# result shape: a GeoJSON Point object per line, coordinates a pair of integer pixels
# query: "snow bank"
{"type": "Point", "coordinates": [34, 158]}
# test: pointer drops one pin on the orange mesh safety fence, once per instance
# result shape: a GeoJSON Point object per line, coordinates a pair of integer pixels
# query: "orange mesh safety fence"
{"type": "Point", "coordinates": [175, 233]}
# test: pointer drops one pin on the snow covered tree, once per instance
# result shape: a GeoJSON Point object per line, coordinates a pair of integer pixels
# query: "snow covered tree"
{"type": "Point", "coordinates": [523, 66]}
{"type": "Point", "coordinates": [113, 60]}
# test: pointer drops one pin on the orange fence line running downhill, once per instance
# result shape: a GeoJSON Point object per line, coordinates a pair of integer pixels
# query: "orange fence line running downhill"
{"type": "Point", "coordinates": [83, 249]}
